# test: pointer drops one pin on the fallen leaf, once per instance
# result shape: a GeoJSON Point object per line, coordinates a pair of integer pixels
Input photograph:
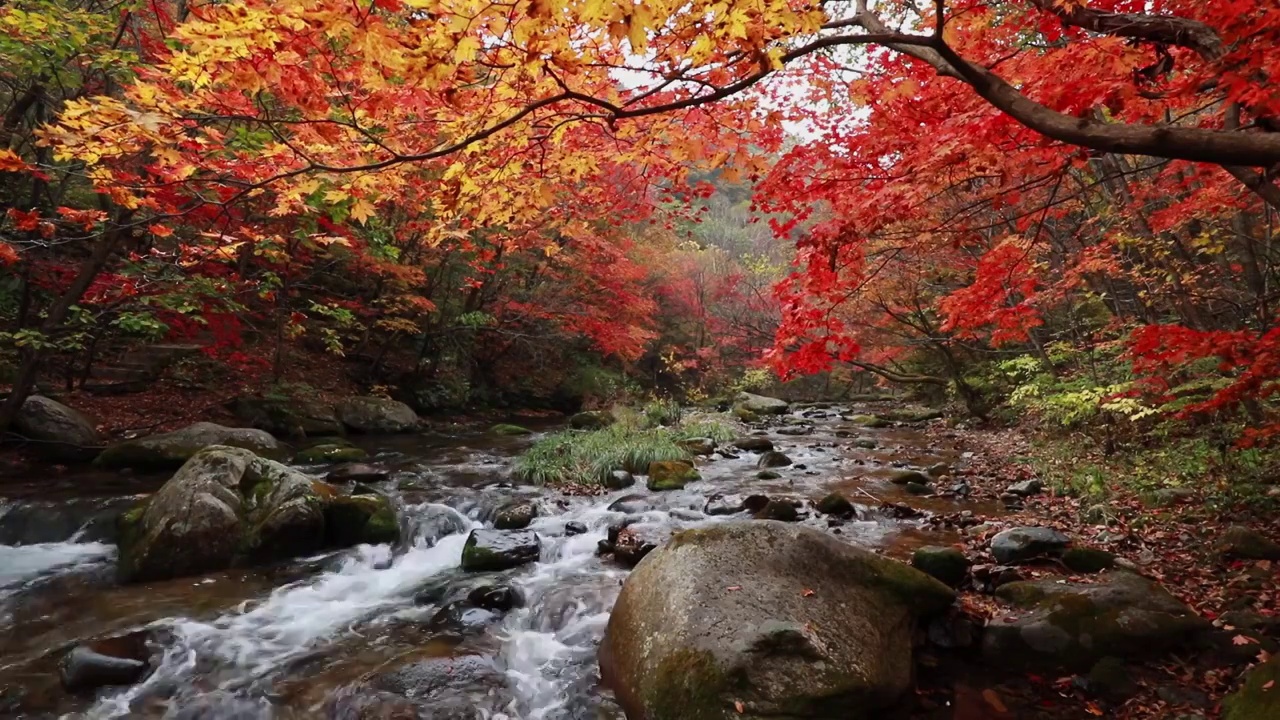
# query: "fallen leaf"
{"type": "Point", "coordinates": [994, 700]}
{"type": "Point", "coordinates": [731, 588]}
{"type": "Point", "coordinates": [737, 705]}
{"type": "Point", "coordinates": [1242, 640]}
{"type": "Point", "coordinates": [1268, 684]}
{"type": "Point", "coordinates": [807, 593]}
{"type": "Point", "coordinates": [1093, 709]}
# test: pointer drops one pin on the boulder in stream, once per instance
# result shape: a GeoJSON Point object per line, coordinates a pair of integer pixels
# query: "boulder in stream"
{"type": "Point", "coordinates": [122, 660]}
{"type": "Point", "coordinates": [698, 446]}
{"type": "Point", "coordinates": [779, 619]}
{"type": "Point", "coordinates": [947, 564]}
{"type": "Point", "coordinates": [490, 550]}
{"type": "Point", "coordinates": [1073, 625]}
{"type": "Point", "coordinates": [168, 451]}
{"type": "Point", "coordinates": [357, 473]}
{"type": "Point", "coordinates": [330, 452]}
{"type": "Point", "coordinates": [515, 516]}
{"type": "Point", "coordinates": [773, 459]}
{"type": "Point", "coordinates": [671, 474]}
{"type": "Point", "coordinates": [906, 477]}
{"type": "Point", "coordinates": [228, 507]}
{"type": "Point", "coordinates": [835, 504]}
{"type": "Point", "coordinates": [375, 415]}
{"type": "Point", "coordinates": [619, 479]}
{"type": "Point", "coordinates": [1017, 545]}
{"type": "Point", "coordinates": [754, 444]}
{"type": "Point", "coordinates": [761, 405]}
{"type": "Point", "coordinates": [56, 430]}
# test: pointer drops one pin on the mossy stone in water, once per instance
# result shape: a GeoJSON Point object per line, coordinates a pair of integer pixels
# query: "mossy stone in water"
{"type": "Point", "coordinates": [835, 504]}
{"type": "Point", "coordinates": [671, 474]}
{"type": "Point", "coordinates": [330, 453]}
{"type": "Point", "coordinates": [355, 519]}
{"type": "Point", "coordinates": [768, 475]}
{"type": "Point", "coordinates": [491, 550]}
{"type": "Point", "coordinates": [868, 421]}
{"type": "Point", "coordinates": [509, 430]}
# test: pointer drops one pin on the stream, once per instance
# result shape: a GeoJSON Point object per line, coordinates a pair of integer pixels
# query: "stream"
{"type": "Point", "coordinates": [352, 634]}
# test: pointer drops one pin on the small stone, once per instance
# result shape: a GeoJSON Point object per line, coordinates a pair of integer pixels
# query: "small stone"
{"type": "Point", "coordinates": [699, 446]}
{"type": "Point", "coordinates": [753, 444]}
{"type": "Point", "coordinates": [755, 503]}
{"type": "Point", "coordinates": [916, 488]}
{"type": "Point", "coordinates": [631, 504]}
{"type": "Point", "coordinates": [902, 477]}
{"type": "Point", "coordinates": [793, 430]}
{"type": "Point", "coordinates": [499, 598]}
{"type": "Point", "coordinates": [961, 489]}
{"type": "Point", "coordinates": [768, 475]}
{"type": "Point", "coordinates": [358, 473]}
{"type": "Point", "coordinates": [1026, 488]}
{"type": "Point", "coordinates": [938, 470]}
{"type": "Point", "coordinates": [114, 661]}
{"type": "Point", "coordinates": [487, 550]}
{"type": "Point", "coordinates": [866, 443]}
{"type": "Point", "coordinates": [573, 527]}
{"type": "Point", "coordinates": [1088, 560]}
{"type": "Point", "coordinates": [1165, 497]}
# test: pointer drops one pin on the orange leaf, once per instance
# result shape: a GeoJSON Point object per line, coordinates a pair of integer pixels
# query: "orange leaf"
{"type": "Point", "coordinates": [807, 593]}
{"type": "Point", "coordinates": [731, 588]}
{"type": "Point", "coordinates": [1093, 709]}
{"type": "Point", "coordinates": [994, 701]}
{"type": "Point", "coordinates": [737, 705]}
{"type": "Point", "coordinates": [1268, 684]}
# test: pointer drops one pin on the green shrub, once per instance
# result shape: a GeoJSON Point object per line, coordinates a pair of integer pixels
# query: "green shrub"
{"type": "Point", "coordinates": [588, 457]}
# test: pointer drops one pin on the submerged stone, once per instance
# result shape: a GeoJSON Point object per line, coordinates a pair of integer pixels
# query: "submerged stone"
{"type": "Point", "coordinates": [489, 550]}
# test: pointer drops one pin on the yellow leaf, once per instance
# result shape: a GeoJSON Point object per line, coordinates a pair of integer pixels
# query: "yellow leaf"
{"type": "Point", "coordinates": [362, 210]}
{"type": "Point", "coordinates": [336, 196]}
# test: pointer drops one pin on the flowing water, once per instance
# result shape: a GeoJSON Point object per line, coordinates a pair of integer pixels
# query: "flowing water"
{"type": "Point", "coordinates": [351, 634]}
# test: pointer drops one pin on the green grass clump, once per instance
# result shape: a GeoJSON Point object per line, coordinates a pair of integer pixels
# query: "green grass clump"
{"type": "Point", "coordinates": [663, 412]}
{"type": "Point", "coordinates": [589, 457]}
{"type": "Point", "coordinates": [718, 431]}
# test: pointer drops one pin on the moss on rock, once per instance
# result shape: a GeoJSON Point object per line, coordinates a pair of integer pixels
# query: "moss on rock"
{"type": "Point", "coordinates": [1259, 697]}
{"type": "Point", "coordinates": [671, 475]}
{"type": "Point", "coordinates": [331, 453]}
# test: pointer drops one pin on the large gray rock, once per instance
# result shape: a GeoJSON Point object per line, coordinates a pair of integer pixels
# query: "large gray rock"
{"type": "Point", "coordinates": [57, 430]}
{"type": "Point", "coordinates": [1017, 545]}
{"type": "Point", "coordinates": [287, 417]}
{"type": "Point", "coordinates": [170, 450]}
{"type": "Point", "coordinates": [227, 507]}
{"type": "Point", "coordinates": [376, 415]}
{"type": "Point", "coordinates": [1073, 625]}
{"type": "Point", "coordinates": [761, 405]}
{"type": "Point", "coordinates": [488, 550]}
{"type": "Point", "coordinates": [783, 619]}
{"type": "Point", "coordinates": [466, 687]}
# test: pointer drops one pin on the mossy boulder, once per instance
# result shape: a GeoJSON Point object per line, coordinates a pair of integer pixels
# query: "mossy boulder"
{"type": "Point", "coordinates": [761, 405]}
{"type": "Point", "coordinates": [375, 415]}
{"type": "Point", "coordinates": [906, 477]}
{"type": "Point", "coordinates": [591, 420]}
{"type": "Point", "coordinates": [948, 564]}
{"type": "Point", "coordinates": [356, 519]}
{"type": "Point", "coordinates": [743, 413]}
{"type": "Point", "coordinates": [1088, 560]}
{"type": "Point", "coordinates": [1060, 624]}
{"type": "Point", "coordinates": [812, 627]}
{"type": "Point", "coordinates": [227, 507]}
{"type": "Point", "coordinates": [169, 451]}
{"type": "Point", "coordinates": [835, 504]}
{"type": "Point", "coordinates": [911, 414]}
{"type": "Point", "coordinates": [671, 474]}
{"type": "Point", "coordinates": [698, 446]}
{"type": "Point", "coordinates": [868, 421]}
{"type": "Point", "coordinates": [491, 550]}
{"type": "Point", "coordinates": [754, 444]}
{"type": "Point", "coordinates": [1245, 543]}
{"type": "Point", "coordinates": [330, 453]}
{"type": "Point", "coordinates": [507, 429]}
{"type": "Point", "coordinates": [58, 431]}
{"type": "Point", "coordinates": [515, 516]}
{"type": "Point", "coordinates": [1259, 697]}
{"type": "Point", "coordinates": [287, 417]}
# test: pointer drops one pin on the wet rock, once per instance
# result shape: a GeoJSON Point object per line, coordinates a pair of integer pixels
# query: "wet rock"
{"type": "Point", "coordinates": [835, 504]}
{"type": "Point", "coordinates": [1088, 560]}
{"type": "Point", "coordinates": [1109, 678]}
{"type": "Point", "coordinates": [773, 459]}
{"type": "Point", "coordinates": [724, 505]}
{"type": "Point", "coordinates": [865, 444]}
{"type": "Point", "coordinates": [287, 417]}
{"type": "Point", "coordinates": [867, 421]}
{"type": "Point", "coordinates": [745, 415]}
{"type": "Point", "coordinates": [1259, 697]}
{"type": "Point", "coordinates": [1245, 543]}
{"type": "Point", "coordinates": [961, 489]}
{"type": "Point", "coordinates": [58, 431]}
{"type": "Point", "coordinates": [461, 618]}
{"type": "Point", "coordinates": [698, 446]}
{"type": "Point", "coordinates": [1026, 488]}
{"type": "Point", "coordinates": [671, 475]}
{"type": "Point", "coordinates": [1073, 625]}
{"type": "Point", "coordinates": [938, 470]}
{"type": "Point", "coordinates": [1021, 544]}
{"type": "Point", "coordinates": [515, 516]}
{"type": "Point", "coordinates": [356, 703]}
{"type": "Point", "coordinates": [87, 519]}
{"type": "Point", "coordinates": [947, 564]}
{"type": "Point", "coordinates": [619, 480]}
{"type": "Point", "coordinates": [781, 510]}
{"type": "Point", "coordinates": [375, 415]}
{"type": "Point", "coordinates": [755, 503]}
{"type": "Point", "coordinates": [726, 454]}
{"type": "Point", "coordinates": [169, 451]}
{"type": "Point", "coordinates": [356, 519]}
{"type": "Point", "coordinates": [687, 514]}
{"type": "Point", "coordinates": [678, 645]}
{"type": "Point", "coordinates": [917, 489]}
{"type": "Point", "coordinates": [795, 430]}
{"type": "Point", "coordinates": [430, 523]}
{"type": "Point", "coordinates": [123, 660]}
{"type": "Point", "coordinates": [507, 429]}
{"type": "Point", "coordinates": [632, 504]}
{"type": "Point", "coordinates": [952, 631]}
{"type": "Point", "coordinates": [761, 405]}
{"type": "Point", "coordinates": [903, 477]}
{"type": "Point", "coordinates": [330, 453]}
{"type": "Point", "coordinates": [357, 473]}
{"type": "Point", "coordinates": [988, 578]}
{"type": "Point", "coordinates": [573, 527]}
{"type": "Point", "coordinates": [498, 598]}
{"type": "Point", "coordinates": [446, 688]}
{"type": "Point", "coordinates": [225, 507]}
{"type": "Point", "coordinates": [636, 541]}
{"type": "Point", "coordinates": [488, 550]}
{"type": "Point", "coordinates": [768, 475]}
{"type": "Point", "coordinates": [754, 444]}
{"type": "Point", "coordinates": [591, 420]}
